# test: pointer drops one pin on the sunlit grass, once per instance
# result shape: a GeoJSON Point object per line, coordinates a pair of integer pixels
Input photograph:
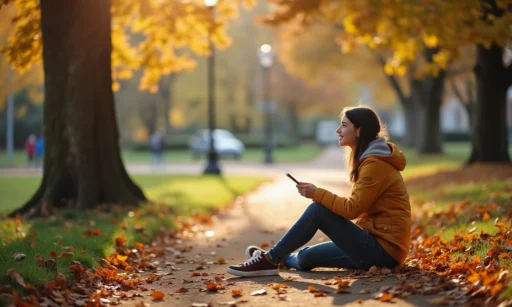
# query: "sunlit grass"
{"type": "Point", "coordinates": [91, 235]}
{"type": "Point", "coordinates": [463, 209]}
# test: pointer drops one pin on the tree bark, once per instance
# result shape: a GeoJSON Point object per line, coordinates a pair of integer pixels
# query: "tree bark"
{"type": "Point", "coordinates": [490, 140]}
{"type": "Point", "coordinates": [167, 93]}
{"type": "Point", "coordinates": [408, 106]}
{"type": "Point", "coordinates": [428, 96]}
{"type": "Point", "coordinates": [82, 163]}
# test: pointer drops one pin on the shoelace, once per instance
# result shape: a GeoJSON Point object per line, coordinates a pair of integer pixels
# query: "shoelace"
{"type": "Point", "coordinates": [253, 259]}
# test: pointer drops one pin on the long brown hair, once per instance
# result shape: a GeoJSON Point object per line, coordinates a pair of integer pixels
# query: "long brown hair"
{"type": "Point", "coordinates": [370, 128]}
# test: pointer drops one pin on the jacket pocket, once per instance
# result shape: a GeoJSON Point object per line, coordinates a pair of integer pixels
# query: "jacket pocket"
{"type": "Point", "coordinates": [382, 227]}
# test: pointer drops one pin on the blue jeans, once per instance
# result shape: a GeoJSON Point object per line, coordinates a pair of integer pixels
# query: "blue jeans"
{"type": "Point", "coordinates": [351, 247]}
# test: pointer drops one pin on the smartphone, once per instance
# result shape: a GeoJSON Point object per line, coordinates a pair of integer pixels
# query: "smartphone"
{"type": "Point", "coordinates": [291, 177]}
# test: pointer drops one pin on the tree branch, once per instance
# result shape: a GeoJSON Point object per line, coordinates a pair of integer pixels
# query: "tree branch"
{"type": "Point", "coordinates": [392, 79]}
{"type": "Point", "coordinates": [458, 93]}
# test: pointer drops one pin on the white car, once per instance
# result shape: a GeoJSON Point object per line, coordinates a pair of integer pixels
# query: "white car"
{"type": "Point", "coordinates": [226, 144]}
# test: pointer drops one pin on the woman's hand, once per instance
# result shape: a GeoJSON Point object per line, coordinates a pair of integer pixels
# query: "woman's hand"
{"type": "Point", "coordinates": [306, 189]}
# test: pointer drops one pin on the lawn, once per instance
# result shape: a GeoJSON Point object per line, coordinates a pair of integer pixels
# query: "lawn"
{"type": "Point", "coordinates": [467, 226]}
{"type": "Point", "coordinates": [301, 153]}
{"type": "Point", "coordinates": [87, 237]}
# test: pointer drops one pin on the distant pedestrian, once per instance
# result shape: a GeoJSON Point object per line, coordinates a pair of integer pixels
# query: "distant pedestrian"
{"type": "Point", "coordinates": [379, 202]}
{"type": "Point", "coordinates": [30, 149]}
{"type": "Point", "coordinates": [39, 150]}
{"type": "Point", "coordinates": [157, 146]}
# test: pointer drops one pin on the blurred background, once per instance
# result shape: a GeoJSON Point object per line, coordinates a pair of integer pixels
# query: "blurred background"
{"type": "Point", "coordinates": [295, 102]}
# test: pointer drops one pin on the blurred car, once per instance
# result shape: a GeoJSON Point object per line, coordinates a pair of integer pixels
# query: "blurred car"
{"type": "Point", "coordinates": [225, 143]}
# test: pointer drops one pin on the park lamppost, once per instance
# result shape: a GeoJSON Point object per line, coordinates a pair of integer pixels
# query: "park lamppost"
{"type": "Point", "coordinates": [266, 59]}
{"type": "Point", "coordinates": [212, 167]}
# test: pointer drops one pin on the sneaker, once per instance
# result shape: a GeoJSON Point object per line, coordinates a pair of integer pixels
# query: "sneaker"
{"type": "Point", "coordinates": [249, 251]}
{"type": "Point", "coordinates": [257, 265]}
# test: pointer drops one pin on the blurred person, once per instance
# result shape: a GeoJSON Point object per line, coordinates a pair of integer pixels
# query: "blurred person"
{"type": "Point", "coordinates": [378, 200]}
{"type": "Point", "coordinates": [39, 151]}
{"type": "Point", "coordinates": [30, 149]}
{"type": "Point", "coordinates": [156, 146]}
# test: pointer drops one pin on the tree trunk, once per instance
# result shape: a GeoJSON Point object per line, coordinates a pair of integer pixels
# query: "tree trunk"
{"type": "Point", "coordinates": [428, 96]}
{"type": "Point", "coordinates": [167, 93]}
{"type": "Point", "coordinates": [82, 160]}
{"type": "Point", "coordinates": [410, 113]}
{"type": "Point", "coordinates": [489, 140]}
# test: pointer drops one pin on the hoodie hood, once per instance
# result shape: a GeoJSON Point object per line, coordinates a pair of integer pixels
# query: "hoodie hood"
{"type": "Point", "coordinates": [385, 151]}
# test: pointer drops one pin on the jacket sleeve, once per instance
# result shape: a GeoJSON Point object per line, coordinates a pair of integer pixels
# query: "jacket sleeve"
{"type": "Point", "coordinates": [372, 182]}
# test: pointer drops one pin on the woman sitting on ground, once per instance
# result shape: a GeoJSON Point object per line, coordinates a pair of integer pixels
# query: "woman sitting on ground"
{"type": "Point", "coordinates": [379, 201]}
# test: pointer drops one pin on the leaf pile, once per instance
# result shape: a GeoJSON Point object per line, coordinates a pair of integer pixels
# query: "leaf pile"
{"type": "Point", "coordinates": [113, 281]}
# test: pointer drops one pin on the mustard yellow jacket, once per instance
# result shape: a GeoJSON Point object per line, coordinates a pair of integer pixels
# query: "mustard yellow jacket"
{"type": "Point", "coordinates": [379, 199]}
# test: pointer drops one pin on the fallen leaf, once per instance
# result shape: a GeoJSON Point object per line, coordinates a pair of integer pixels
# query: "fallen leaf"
{"type": "Point", "coordinates": [120, 240]}
{"type": "Point", "coordinates": [220, 260]}
{"type": "Point", "coordinates": [259, 292]}
{"type": "Point", "coordinates": [182, 290]}
{"type": "Point", "coordinates": [486, 216]}
{"type": "Point", "coordinates": [278, 286]}
{"type": "Point", "coordinates": [386, 297]}
{"type": "Point", "coordinates": [15, 276]}
{"type": "Point", "coordinates": [360, 301]}
{"type": "Point", "coordinates": [157, 295]}
{"type": "Point", "coordinates": [18, 256]}
{"type": "Point", "coordinates": [312, 289]}
{"type": "Point", "coordinates": [212, 286]}
{"type": "Point", "coordinates": [236, 292]}
{"type": "Point", "coordinates": [199, 305]}
{"type": "Point", "coordinates": [319, 293]}
{"type": "Point", "coordinates": [373, 269]}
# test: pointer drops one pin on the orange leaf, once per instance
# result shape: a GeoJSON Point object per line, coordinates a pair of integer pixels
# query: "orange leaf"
{"type": "Point", "coordinates": [53, 254]}
{"type": "Point", "coordinates": [211, 286]}
{"type": "Point", "coordinates": [279, 286]}
{"type": "Point", "coordinates": [319, 293]}
{"type": "Point", "coordinates": [157, 295]}
{"type": "Point", "coordinates": [122, 258]}
{"type": "Point", "coordinates": [236, 293]}
{"type": "Point", "coordinates": [96, 232]}
{"type": "Point", "coordinates": [486, 216]}
{"type": "Point", "coordinates": [120, 240]}
{"type": "Point", "coordinates": [496, 288]}
{"type": "Point", "coordinates": [221, 260]}
{"type": "Point", "coordinates": [151, 277]}
{"type": "Point", "coordinates": [312, 289]}
{"type": "Point", "coordinates": [386, 297]}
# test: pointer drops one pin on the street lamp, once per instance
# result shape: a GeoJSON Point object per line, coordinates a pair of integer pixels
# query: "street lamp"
{"type": "Point", "coordinates": [212, 167]}
{"type": "Point", "coordinates": [266, 58]}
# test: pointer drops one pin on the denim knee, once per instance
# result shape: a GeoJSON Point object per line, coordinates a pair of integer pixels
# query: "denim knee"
{"type": "Point", "coordinates": [315, 207]}
{"type": "Point", "coordinates": [302, 260]}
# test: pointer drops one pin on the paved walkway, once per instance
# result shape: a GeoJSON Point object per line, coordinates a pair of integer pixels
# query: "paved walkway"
{"type": "Point", "coordinates": [331, 158]}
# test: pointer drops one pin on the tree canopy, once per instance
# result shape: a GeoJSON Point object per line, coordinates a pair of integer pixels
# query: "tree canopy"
{"type": "Point", "coordinates": [145, 35]}
{"type": "Point", "coordinates": [406, 27]}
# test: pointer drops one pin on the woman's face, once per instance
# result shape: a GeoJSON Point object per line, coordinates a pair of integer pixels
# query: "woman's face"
{"type": "Point", "coordinates": [347, 133]}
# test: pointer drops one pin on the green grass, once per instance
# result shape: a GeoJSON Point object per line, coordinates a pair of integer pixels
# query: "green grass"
{"type": "Point", "coordinates": [302, 153]}
{"type": "Point", "coordinates": [67, 231]}
{"type": "Point", "coordinates": [460, 209]}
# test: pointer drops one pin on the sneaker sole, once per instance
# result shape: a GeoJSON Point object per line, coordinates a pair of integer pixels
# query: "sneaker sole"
{"type": "Point", "coordinates": [253, 273]}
